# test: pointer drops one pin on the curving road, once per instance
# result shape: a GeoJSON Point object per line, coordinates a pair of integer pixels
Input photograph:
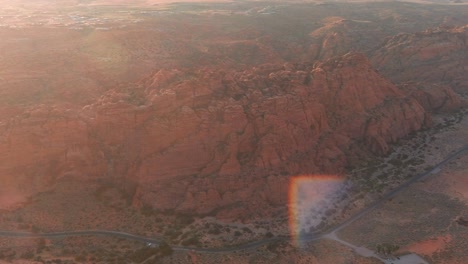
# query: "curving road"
{"type": "Point", "coordinates": [329, 233]}
{"type": "Point", "coordinates": [389, 195]}
{"type": "Point", "coordinates": [79, 233]}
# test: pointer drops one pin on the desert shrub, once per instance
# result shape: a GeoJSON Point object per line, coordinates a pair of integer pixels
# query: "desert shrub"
{"type": "Point", "coordinates": [27, 255]}
{"type": "Point", "coordinates": [35, 229]}
{"type": "Point", "coordinates": [80, 258]}
{"type": "Point", "coordinates": [387, 248]}
{"type": "Point", "coordinates": [165, 249]}
{"type": "Point", "coordinates": [173, 234]}
{"type": "Point", "coordinates": [41, 244]}
{"type": "Point", "coordinates": [185, 220]}
{"type": "Point", "coordinates": [247, 230]}
{"type": "Point", "coordinates": [192, 241]}
{"type": "Point", "coordinates": [274, 246]}
{"type": "Point", "coordinates": [146, 210]}
{"type": "Point", "coordinates": [142, 254]}
{"type": "Point", "coordinates": [145, 253]}
{"type": "Point", "coordinates": [214, 231]}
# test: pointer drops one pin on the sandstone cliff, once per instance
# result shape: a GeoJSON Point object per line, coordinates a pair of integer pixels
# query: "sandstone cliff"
{"type": "Point", "coordinates": [437, 55]}
{"type": "Point", "coordinates": [213, 141]}
{"type": "Point", "coordinates": [339, 36]}
{"type": "Point", "coordinates": [433, 97]}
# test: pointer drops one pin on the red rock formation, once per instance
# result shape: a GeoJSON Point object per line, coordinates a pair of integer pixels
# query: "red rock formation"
{"type": "Point", "coordinates": [272, 120]}
{"type": "Point", "coordinates": [434, 56]}
{"type": "Point", "coordinates": [212, 141]}
{"type": "Point", "coordinates": [339, 36]}
{"type": "Point", "coordinates": [43, 144]}
{"type": "Point", "coordinates": [434, 98]}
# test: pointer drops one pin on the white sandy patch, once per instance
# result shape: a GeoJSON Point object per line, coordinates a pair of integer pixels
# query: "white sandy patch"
{"type": "Point", "coordinates": [313, 201]}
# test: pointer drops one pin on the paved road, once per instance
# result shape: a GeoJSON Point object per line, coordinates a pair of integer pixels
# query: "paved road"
{"type": "Point", "coordinates": [329, 233]}
{"type": "Point", "coordinates": [389, 195]}
{"type": "Point", "coordinates": [79, 233]}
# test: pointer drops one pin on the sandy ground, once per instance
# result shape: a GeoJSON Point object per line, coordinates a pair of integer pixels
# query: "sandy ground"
{"type": "Point", "coordinates": [10, 200]}
{"type": "Point", "coordinates": [452, 182]}
{"type": "Point", "coordinates": [430, 246]}
{"type": "Point", "coordinates": [421, 219]}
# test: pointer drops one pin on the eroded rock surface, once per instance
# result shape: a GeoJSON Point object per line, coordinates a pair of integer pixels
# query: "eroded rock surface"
{"type": "Point", "coordinates": [213, 141]}
{"type": "Point", "coordinates": [437, 56]}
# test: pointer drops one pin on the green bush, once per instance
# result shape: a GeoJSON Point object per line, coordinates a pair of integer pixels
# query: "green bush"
{"type": "Point", "coordinates": [165, 249]}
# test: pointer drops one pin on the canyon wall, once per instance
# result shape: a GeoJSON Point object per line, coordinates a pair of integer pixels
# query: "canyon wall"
{"type": "Point", "coordinates": [222, 127]}
{"type": "Point", "coordinates": [435, 56]}
{"type": "Point", "coordinates": [213, 141]}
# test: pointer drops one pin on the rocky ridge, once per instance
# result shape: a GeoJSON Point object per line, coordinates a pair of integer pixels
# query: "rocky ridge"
{"type": "Point", "coordinates": [213, 141]}
{"type": "Point", "coordinates": [436, 56]}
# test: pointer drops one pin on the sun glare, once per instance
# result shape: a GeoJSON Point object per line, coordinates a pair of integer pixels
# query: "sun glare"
{"type": "Point", "coordinates": [310, 197]}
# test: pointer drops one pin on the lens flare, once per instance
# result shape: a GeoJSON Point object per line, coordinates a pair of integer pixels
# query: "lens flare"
{"type": "Point", "coordinates": [311, 197]}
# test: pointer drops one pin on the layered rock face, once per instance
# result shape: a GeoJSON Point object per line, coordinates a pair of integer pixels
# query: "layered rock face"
{"type": "Point", "coordinates": [42, 144]}
{"type": "Point", "coordinates": [213, 141]}
{"type": "Point", "coordinates": [434, 56]}
{"type": "Point", "coordinates": [434, 97]}
{"type": "Point", "coordinates": [338, 36]}
{"type": "Point", "coordinates": [242, 138]}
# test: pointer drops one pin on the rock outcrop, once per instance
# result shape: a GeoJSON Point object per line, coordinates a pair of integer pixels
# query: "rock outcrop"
{"type": "Point", "coordinates": [437, 56]}
{"type": "Point", "coordinates": [40, 145]}
{"type": "Point", "coordinates": [433, 97]}
{"type": "Point", "coordinates": [339, 36]}
{"type": "Point", "coordinates": [213, 141]}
